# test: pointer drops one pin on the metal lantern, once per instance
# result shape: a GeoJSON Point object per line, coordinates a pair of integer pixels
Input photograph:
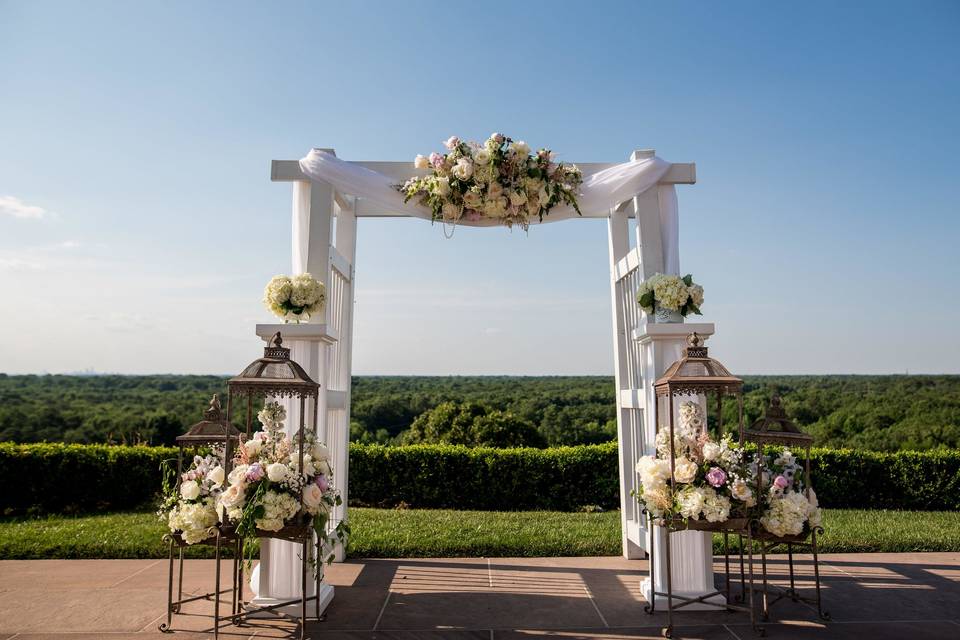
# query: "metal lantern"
{"type": "Point", "coordinates": [275, 375]}
{"type": "Point", "coordinates": [706, 381]}
{"type": "Point", "coordinates": [774, 428]}
{"type": "Point", "coordinates": [212, 431]}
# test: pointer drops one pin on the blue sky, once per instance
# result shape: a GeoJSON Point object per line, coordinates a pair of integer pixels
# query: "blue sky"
{"type": "Point", "coordinates": [138, 223]}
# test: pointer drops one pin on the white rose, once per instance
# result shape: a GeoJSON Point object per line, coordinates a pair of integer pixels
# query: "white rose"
{"type": "Point", "coordinates": [684, 470]}
{"type": "Point", "coordinates": [463, 169]}
{"type": "Point", "coordinates": [472, 199]}
{"type": "Point", "coordinates": [216, 476]}
{"type": "Point", "coordinates": [276, 471]}
{"type": "Point", "coordinates": [711, 451]}
{"type": "Point", "coordinates": [312, 496]}
{"type": "Point", "coordinates": [451, 211]}
{"type": "Point", "coordinates": [741, 490]}
{"type": "Point", "coordinates": [518, 198]}
{"type": "Point", "coordinates": [233, 496]}
{"type": "Point", "coordinates": [443, 186]}
{"type": "Point", "coordinates": [190, 490]}
{"type": "Point", "coordinates": [320, 451]}
{"type": "Point", "coordinates": [252, 447]}
{"type": "Point", "coordinates": [421, 162]}
{"type": "Point", "coordinates": [482, 156]}
{"type": "Point", "coordinates": [520, 148]}
{"type": "Point", "coordinates": [238, 473]}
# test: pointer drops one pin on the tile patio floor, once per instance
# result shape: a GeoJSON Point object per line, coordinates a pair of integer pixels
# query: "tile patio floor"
{"type": "Point", "coordinates": [870, 596]}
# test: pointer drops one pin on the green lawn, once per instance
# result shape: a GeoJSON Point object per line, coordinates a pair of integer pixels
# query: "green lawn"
{"type": "Point", "coordinates": [426, 533]}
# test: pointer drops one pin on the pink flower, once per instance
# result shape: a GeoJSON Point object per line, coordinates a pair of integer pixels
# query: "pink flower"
{"type": "Point", "coordinates": [255, 472]}
{"type": "Point", "coordinates": [436, 160]}
{"type": "Point", "coordinates": [716, 476]}
{"type": "Point", "coordinates": [472, 215]}
{"type": "Point", "coordinates": [452, 142]}
{"type": "Point", "coordinates": [780, 482]}
{"type": "Point", "coordinates": [322, 482]}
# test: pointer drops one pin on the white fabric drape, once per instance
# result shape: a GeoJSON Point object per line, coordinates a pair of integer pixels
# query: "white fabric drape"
{"type": "Point", "coordinates": [600, 192]}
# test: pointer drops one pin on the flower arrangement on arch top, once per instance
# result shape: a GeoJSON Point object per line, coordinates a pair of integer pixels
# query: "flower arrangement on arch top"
{"type": "Point", "coordinates": [712, 478]}
{"type": "Point", "coordinates": [672, 293]}
{"type": "Point", "coordinates": [294, 299]}
{"type": "Point", "coordinates": [499, 179]}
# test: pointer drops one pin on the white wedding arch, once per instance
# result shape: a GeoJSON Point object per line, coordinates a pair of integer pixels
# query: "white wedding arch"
{"type": "Point", "coordinates": [330, 194]}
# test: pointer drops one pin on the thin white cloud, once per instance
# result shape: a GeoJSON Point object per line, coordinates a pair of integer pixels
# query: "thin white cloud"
{"type": "Point", "coordinates": [12, 206]}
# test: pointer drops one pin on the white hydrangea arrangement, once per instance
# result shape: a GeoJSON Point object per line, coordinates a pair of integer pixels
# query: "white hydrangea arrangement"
{"type": "Point", "coordinates": [787, 509]}
{"type": "Point", "coordinates": [712, 478]}
{"type": "Point", "coordinates": [672, 293]}
{"type": "Point", "coordinates": [266, 485]}
{"type": "Point", "coordinates": [294, 299]}
{"type": "Point", "coordinates": [499, 179]}
{"type": "Point", "coordinates": [190, 510]}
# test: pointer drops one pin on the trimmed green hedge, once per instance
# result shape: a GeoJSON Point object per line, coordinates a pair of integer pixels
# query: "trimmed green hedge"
{"type": "Point", "coordinates": [71, 478]}
{"type": "Point", "coordinates": [58, 478]}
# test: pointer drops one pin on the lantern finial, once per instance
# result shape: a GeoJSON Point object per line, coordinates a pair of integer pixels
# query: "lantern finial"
{"type": "Point", "coordinates": [276, 340]}
{"type": "Point", "coordinates": [214, 413]}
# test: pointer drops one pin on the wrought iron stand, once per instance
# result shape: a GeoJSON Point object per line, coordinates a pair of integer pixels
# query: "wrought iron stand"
{"type": "Point", "coordinates": [310, 557]}
{"type": "Point", "coordinates": [738, 526]}
{"type": "Point", "coordinates": [174, 605]}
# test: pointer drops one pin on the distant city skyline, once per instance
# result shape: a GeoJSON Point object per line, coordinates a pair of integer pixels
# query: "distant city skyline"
{"type": "Point", "coordinates": [138, 224]}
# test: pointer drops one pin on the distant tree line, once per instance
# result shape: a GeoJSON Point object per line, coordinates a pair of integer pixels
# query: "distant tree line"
{"type": "Point", "coordinates": [881, 413]}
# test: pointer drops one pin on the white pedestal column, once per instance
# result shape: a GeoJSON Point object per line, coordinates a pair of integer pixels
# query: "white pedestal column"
{"type": "Point", "coordinates": [277, 576]}
{"type": "Point", "coordinates": [691, 551]}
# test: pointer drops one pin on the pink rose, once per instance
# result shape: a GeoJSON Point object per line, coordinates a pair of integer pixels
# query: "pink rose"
{"type": "Point", "coordinates": [436, 160]}
{"type": "Point", "coordinates": [452, 142]}
{"type": "Point", "coordinates": [780, 482]}
{"type": "Point", "coordinates": [716, 476]}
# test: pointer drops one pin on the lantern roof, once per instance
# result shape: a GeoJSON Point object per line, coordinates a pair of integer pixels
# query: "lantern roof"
{"type": "Point", "coordinates": [696, 372]}
{"type": "Point", "coordinates": [213, 428]}
{"type": "Point", "coordinates": [274, 374]}
{"type": "Point", "coordinates": [775, 427]}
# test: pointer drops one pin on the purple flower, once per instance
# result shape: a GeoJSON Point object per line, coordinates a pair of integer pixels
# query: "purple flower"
{"type": "Point", "coordinates": [322, 482]}
{"type": "Point", "coordinates": [255, 472]}
{"type": "Point", "coordinates": [716, 476]}
{"type": "Point", "coordinates": [780, 482]}
{"type": "Point", "coordinates": [436, 160]}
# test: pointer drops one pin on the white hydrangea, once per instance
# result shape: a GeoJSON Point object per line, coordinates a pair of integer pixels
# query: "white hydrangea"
{"type": "Point", "coordinates": [690, 500]}
{"type": "Point", "coordinates": [278, 508]}
{"type": "Point", "coordinates": [716, 508]}
{"type": "Point", "coordinates": [195, 520]}
{"type": "Point", "coordinates": [787, 514]}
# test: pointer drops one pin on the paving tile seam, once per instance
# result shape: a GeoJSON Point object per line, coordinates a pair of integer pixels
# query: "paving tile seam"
{"type": "Point", "coordinates": [135, 573]}
{"type": "Point", "coordinates": [731, 632]}
{"type": "Point", "coordinates": [383, 608]}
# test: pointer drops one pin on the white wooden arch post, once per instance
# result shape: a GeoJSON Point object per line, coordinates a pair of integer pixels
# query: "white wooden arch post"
{"type": "Point", "coordinates": [324, 230]}
{"type": "Point", "coordinates": [324, 244]}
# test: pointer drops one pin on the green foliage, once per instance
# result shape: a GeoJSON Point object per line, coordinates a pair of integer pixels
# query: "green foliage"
{"type": "Point", "coordinates": [57, 478]}
{"type": "Point", "coordinates": [451, 476]}
{"type": "Point", "coordinates": [68, 478]}
{"type": "Point", "coordinates": [473, 425]}
{"type": "Point", "coordinates": [570, 478]}
{"type": "Point", "coordinates": [880, 413]}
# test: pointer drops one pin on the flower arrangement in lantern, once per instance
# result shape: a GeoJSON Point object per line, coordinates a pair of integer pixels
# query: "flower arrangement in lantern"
{"type": "Point", "coordinates": [697, 479]}
{"type": "Point", "coordinates": [280, 487]}
{"type": "Point", "coordinates": [790, 512]}
{"type": "Point", "coordinates": [266, 485]}
{"type": "Point", "coordinates": [188, 505]}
